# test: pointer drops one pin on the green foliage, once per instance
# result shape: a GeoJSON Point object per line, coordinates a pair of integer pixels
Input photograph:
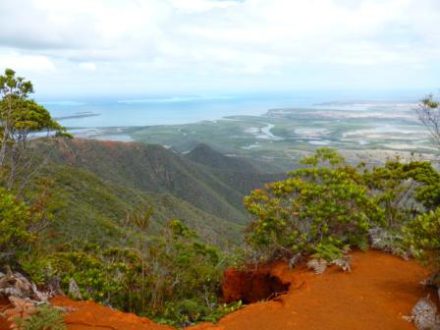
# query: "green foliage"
{"type": "Point", "coordinates": [102, 277]}
{"type": "Point", "coordinates": [184, 272]}
{"type": "Point", "coordinates": [328, 250]}
{"type": "Point", "coordinates": [391, 188]}
{"type": "Point", "coordinates": [423, 236]}
{"type": "Point", "coordinates": [28, 116]}
{"type": "Point", "coordinates": [428, 190]}
{"type": "Point", "coordinates": [222, 310]}
{"type": "Point", "coordinates": [46, 317]}
{"type": "Point", "coordinates": [10, 84]}
{"type": "Point", "coordinates": [325, 204]}
{"type": "Point", "coordinates": [430, 102]}
{"type": "Point", "coordinates": [20, 116]}
{"type": "Point", "coordinates": [404, 189]}
{"type": "Point", "coordinates": [15, 218]}
{"type": "Point", "coordinates": [330, 204]}
{"type": "Point", "coordinates": [173, 277]}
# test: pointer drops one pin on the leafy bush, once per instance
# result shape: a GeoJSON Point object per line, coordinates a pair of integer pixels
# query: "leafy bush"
{"type": "Point", "coordinates": [401, 185]}
{"type": "Point", "coordinates": [184, 275]}
{"type": "Point", "coordinates": [329, 250]}
{"type": "Point", "coordinates": [423, 236]}
{"type": "Point", "coordinates": [15, 218]}
{"type": "Point", "coordinates": [103, 277]}
{"type": "Point", "coordinates": [324, 205]}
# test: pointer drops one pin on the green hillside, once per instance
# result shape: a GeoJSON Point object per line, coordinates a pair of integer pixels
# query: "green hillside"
{"type": "Point", "coordinates": [99, 183]}
{"type": "Point", "coordinates": [89, 209]}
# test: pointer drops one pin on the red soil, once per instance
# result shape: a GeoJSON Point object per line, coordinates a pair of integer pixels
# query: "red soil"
{"type": "Point", "coordinates": [380, 290]}
{"type": "Point", "coordinates": [88, 315]}
{"type": "Point", "coordinates": [4, 304]}
{"type": "Point", "coordinates": [375, 295]}
{"type": "Point", "coordinates": [251, 286]}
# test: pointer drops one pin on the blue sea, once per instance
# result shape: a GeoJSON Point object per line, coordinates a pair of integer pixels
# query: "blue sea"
{"type": "Point", "coordinates": [182, 109]}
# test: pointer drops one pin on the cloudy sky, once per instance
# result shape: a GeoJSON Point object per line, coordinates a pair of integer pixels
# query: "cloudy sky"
{"type": "Point", "coordinates": [113, 47]}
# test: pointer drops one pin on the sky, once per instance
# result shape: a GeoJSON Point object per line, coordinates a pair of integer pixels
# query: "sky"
{"type": "Point", "coordinates": [161, 47]}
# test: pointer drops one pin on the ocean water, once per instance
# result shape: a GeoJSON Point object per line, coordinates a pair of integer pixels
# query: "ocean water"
{"type": "Point", "coordinates": [148, 111]}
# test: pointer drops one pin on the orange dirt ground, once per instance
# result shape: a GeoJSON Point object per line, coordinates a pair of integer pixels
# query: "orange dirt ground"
{"type": "Point", "coordinates": [375, 295]}
{"type": "Point", "coordinates": [90, 315]}
{"type": "Point", "coordinates": [380, 289]}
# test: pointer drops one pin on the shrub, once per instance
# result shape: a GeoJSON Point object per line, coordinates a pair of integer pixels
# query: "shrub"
{"type": "Point", "coordinates": [98, 277]}
{"type": "Point", "coordinates": [325, 204]}
{"type": "Point", "coordinates": [15, 218]}
{"type": "Point", "coordinates": [423, 236]}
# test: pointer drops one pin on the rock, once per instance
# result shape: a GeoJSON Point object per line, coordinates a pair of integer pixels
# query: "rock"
{"type": "Point", "coordinates": [54, 287]}
{"type": "Point", "coordinates": [74, 291]}
{"type": "Point", "coordinates": [344, 263]}
{"type": "Point", "coordinates": [295, 260]}
{"type": "Point", "coordinates": [424, 315]}
{"type": "Point", "coordinates": [15, 284]}
{"type": "Point", "coordinates": [317, 265]}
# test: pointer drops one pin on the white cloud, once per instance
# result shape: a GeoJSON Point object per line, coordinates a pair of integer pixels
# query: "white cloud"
{"type": "Point", "coordinates": [27, 63]}
{"type": "Point", "coordinates": [210, 43]}
{"type": "Point", "coordinates": [87, 66]}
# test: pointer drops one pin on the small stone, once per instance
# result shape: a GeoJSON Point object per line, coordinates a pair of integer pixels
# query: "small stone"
{"type": "Point", "coordinates": [74, 291]}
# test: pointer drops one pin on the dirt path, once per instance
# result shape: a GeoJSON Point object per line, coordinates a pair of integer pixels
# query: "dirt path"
{"type": "Point", "coordinates": [375, 295]}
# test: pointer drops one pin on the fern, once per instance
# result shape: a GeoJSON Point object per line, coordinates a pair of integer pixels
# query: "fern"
{"type": "Point", "coordinates": [45, 318]}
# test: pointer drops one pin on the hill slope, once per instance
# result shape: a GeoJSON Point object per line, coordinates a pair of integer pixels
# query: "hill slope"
{"type": "Point", "coordinates": [154, 169]}
{"type": "Point", "coordinates": [90, 209]}
{"type": "Point", "coordinates": [98, 183]}
{"type": "Point", "coordinates": [204, 154]}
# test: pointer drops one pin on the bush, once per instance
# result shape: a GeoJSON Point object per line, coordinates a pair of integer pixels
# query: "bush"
{"type": "Point", "coordinates": [319, 208]}
{"type": "Point", "coordinates": [405, 188]}
{"type": "Point", "coordinates": [15, 218]}
{"type": "Point", "coordinates": [423, 236]}
{"type": "Point", "coordinates": [100, 277]}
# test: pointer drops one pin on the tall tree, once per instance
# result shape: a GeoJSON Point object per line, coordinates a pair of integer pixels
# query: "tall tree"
{"type": "Point", "coordinates": [20, 117]}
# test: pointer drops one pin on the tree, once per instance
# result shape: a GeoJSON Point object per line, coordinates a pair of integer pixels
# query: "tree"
{"type": "Point", "coordinates": [429, 115]}
{"type": "Point", "coordinates": [20, 117]}
{"type": "Point", "coordinates": [11, 89]}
